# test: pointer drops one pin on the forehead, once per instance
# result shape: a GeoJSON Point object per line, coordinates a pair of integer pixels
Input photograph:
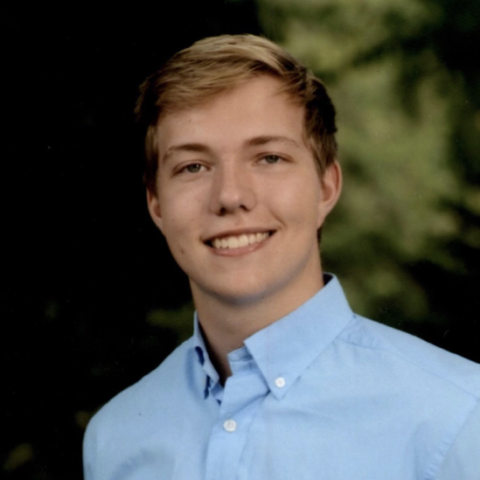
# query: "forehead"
{"type": "Point", "coordinates": [258, 107]}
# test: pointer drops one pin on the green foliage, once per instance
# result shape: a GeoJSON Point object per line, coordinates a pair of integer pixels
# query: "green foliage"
{"type": "Point", "coordinates": [180, 320]}
{"type": "Point", "coordinates": [408, 102]}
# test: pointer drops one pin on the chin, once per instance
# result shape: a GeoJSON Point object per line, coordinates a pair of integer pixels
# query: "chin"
{"type": "Point", "coordinates": [235, 293]}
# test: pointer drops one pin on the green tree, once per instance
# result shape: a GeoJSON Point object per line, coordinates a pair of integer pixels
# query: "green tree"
{"type": "Point", "coordinates": [405, 79]}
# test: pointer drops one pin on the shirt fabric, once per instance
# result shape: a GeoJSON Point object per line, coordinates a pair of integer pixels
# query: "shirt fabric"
{"type": "Point", "coordinates": [320, 394]}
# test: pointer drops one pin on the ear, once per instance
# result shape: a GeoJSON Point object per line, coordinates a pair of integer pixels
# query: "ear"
{"type": "Point", "coordinates": [331, 184]}
{"type": "Point", "coordinates": [153, 204]}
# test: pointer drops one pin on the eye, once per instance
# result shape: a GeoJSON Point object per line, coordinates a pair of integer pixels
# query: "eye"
{"type": "Point", "coordinates": [193, 168]}
{"type": "Point", "coordinates": [271, 159]}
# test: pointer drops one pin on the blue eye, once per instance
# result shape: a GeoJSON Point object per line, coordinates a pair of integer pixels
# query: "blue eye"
{"type": "Point", "coordinates": [272, 159]}
{"type": "Point", "coordinates": [193, 168]}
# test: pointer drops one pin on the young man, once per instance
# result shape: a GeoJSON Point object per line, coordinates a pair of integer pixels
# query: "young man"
{"type": "Point", "coordinates": [280, 379]}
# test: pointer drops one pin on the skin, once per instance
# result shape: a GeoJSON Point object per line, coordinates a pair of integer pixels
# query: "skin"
{"type": "Point", "coordinates": [240, 164]}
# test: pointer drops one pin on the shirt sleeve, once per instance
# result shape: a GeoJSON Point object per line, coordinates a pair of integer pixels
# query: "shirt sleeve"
{"type": "Point", "coordinates": [463, 459]}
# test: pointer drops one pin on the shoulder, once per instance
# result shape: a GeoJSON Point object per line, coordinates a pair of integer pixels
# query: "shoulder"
{"type": "Point", "coordinates": [402, 351]}
{"type": "Point", "coordinates": [144, 402]}
{"type": "Point", "coordinates": [141, 419]}
{"type": "Point", "coordinates": [418, 388]}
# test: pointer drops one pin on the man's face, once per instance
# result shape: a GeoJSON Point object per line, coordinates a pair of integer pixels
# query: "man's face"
{"type": "Point", "coordinates": [239, 198]}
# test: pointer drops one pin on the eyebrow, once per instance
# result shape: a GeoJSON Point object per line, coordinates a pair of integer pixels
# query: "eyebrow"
{"type": "Point", "coordinates": [185, 147]}
{"type": "Point", "coordinates": [264, 139]}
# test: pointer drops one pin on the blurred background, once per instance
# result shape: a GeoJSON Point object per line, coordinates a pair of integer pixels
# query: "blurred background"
{"type": "Point", "coordinates": [91, 299]}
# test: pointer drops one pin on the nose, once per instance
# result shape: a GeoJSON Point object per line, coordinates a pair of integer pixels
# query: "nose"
{"type": "Point", "coordinates": [232, 190]}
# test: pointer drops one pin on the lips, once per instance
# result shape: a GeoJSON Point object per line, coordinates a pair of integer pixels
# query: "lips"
{"type": "Point", "coordinates": [231, 242]}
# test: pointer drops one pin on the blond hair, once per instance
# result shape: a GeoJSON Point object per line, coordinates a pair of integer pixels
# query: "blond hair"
{"type": "Point", "coordinates": [216, 64]}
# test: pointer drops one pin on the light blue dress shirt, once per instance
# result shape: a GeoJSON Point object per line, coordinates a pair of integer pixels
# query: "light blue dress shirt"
{"type": "Point", "coordinates": [320, 394]}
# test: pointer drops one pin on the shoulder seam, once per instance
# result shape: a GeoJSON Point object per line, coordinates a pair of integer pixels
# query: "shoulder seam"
{"type": "Point", "coordinates": [475, 395]}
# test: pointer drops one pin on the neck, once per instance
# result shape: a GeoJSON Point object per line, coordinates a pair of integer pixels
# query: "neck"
{"type": "Point", "coordinates": [226, 324]}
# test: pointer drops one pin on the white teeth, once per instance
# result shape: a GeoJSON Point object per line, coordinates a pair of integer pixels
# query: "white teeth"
{"type": "Point", "coordinates": [243, 241]}
{"type": "Point", "coordinates": [237, 241]}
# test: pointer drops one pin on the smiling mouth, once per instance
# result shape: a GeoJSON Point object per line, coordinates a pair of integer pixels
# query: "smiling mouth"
{"type": "Point", "coordinates": [231, 242]}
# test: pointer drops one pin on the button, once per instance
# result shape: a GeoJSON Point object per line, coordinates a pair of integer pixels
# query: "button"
{"type": "Point", "coordinates": [230, 425]}
{"type": "Point", "coordinates": [280, 382]}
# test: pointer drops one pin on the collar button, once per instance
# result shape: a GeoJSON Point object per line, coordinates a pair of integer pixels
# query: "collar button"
{"type": "Point", "coordinates": [280, 382]}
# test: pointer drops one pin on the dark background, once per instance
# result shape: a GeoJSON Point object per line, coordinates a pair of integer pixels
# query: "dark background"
{"type": "Point", "coordinates": [82, 264]}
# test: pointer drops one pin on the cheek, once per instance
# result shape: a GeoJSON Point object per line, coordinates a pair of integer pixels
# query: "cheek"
{"type": "Point", "coordinates": [176, 240]}
{"type": "Point", "coordinates": [299, 202]}
{"type": "Point", "coordinates": [173, 228]}
{"type": "Point", "coordinates": [180, 226]}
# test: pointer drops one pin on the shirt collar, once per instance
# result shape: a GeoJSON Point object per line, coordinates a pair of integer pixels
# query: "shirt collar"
{"type": "Point", "coordinates": [288, 346]}
{"type": "Point", "coordinates": [284, 349]}
{"type": "Point", "coordinates": [202, 353]}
